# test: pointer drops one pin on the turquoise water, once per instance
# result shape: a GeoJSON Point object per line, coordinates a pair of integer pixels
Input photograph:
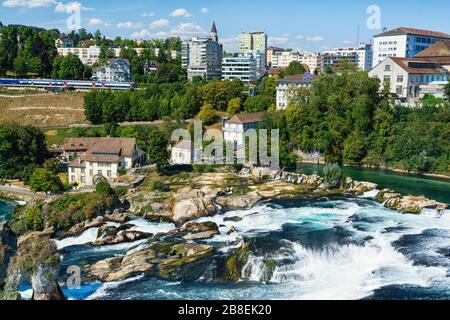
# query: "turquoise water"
{"type": "Point", "coordinates": [435, 189]}
{"type": "Point", "coordinates": [6, 209]}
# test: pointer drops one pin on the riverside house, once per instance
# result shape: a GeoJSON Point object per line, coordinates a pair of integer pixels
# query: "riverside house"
{"type": "Point", "coordinates": [234, 129]}
{"type": "Point", "coordinates": [94, 159]}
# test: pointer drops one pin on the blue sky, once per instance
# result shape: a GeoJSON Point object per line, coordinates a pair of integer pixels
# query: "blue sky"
{"type": "Point", "coordinates": [301, 25]}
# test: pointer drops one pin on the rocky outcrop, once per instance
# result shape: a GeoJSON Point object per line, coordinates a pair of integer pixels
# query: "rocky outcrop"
{"type": "Point", "coordinates": [196, 231]}
{"type": "Point", "coordinates": [164, 259]}
{"type": "Point", "coordinates": [408, 204]}
{"type": "Point", "coordinates": [235, 262]}
{"type": "Point", "coordinates": [190, 204]}
{"type": "Point", "coordinates": [81, 227]}
{"type": "Point", "coordinates": [361, 187]}
{"type": "Point", "coordinates": [239, 201]}
{"type": "Point", "coordinates": [34, 235]}
{"type": "Point", "coordinates": [45, 286]}
{"type": "Point", "coordinates": [121, 236]}
{"type": "Point", "coordinates": [8, 247]}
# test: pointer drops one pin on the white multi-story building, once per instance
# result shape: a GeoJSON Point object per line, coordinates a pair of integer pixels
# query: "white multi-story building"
{"type": "Point", "coordinates": [95, 159]}
{"type": "Point", "coordinates": [361, 56]}
{"type": "Point", "coordinates": [287, 86]}
{"type": "Point", "coordinates": [242, 67]}
{"type": "Point", "coordinates": [282, 59]}
{"type": "Point", "coordinates": [407, 75]}
{"type": "Point", "coordinates": [404, 43]}
{"type": "Point", "coordinates": [271, 51]}
{"type": "Point", "coordinates": [202, 57]}
{"type": "Point", "coordinates": [116, 70]}
{"type": "Point", "coordinates": [185, 153]}
{"type": "Point", "coordinates": [234, 129]}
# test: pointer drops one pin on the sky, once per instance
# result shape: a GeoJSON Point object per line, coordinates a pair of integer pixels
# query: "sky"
{"type": "Point", "coordinates": [296, 24]}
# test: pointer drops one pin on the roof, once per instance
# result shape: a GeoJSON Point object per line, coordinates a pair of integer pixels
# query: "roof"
{"type": "Point", "coordinates": [242, 118]}
{"type": "Point", "coordinates": [439, 49]}
{"type": "Point", "coordinates": [122, 146]}
{"type": "Point", "coordinates": [429, 67]}
{"type": "Point", "coordinates": [419, 32]}
{"type": "Point", "coordinates": [79, 162]}
{"type": "Point", "coordinates": [275, 71]}
{"type": "Point", "coordinates": [213, 28]}
{"type": "Point", "coordinates": [185, 145]}
{"type": "Point", "coordinates": [297, 78]}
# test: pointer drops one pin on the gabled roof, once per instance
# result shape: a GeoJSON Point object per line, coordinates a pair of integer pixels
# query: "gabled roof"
{"type": "Point", "coordinates": [243, 118]}
{"type": "Point", "coordinates": [439, 49]}
{"type": "Point", "coordinates": [420, 66]}
{"type": "Point", "coordinates": [122, 146]}
{"type": "Point", "coordinates": [297, 78]}
{"type": "Point", "coordinates": [419, 32]}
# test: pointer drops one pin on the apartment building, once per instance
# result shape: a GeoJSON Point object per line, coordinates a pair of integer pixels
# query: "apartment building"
{"type": "Point", "coordinates": [361, 56]}
{"type": "Point", "coordinates": [202, 57]}
{"type": "Point", "coordinates": [282, 59]}
{"type": "Point", "coordinates": [271, 51]}
{"type": "Point", "coordinates": [286, 87]}
{"type": "Point", "coordinates": [242, 67]}
{"type": "Point", "coordinates": [408, 75]}
{"type": "Point", "coordinates": [404, 43]}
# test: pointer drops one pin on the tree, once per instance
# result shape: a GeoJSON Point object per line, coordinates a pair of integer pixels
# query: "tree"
{"type": "Point", "coordinates": [53, 165]}
{"type": "Point", "coordinates": [207, 114]}
{"type": "Point", "coordinates": [104, 189]}
{"type": "Point", "coordinates": [447, 91]}
{"type": "Point", "coordinates": [294, 68]}
{"type": "Point", "coordinates": [234, 106]}
{"type": "Point", "coordinates": [44, 180]}
{"type": "Point", "coordinates": [69, 67]}
{"type": "Point", "coordinates": [256, 104]}
{"type": "Point", "coordinates": [157, 149]}
{"type": "Point", "coordinates": [21, 148]}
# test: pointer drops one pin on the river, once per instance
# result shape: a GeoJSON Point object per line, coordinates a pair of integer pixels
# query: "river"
{"type": "Point", "coordinates": [330, 248]}
{"type": "Point", "coordinates": [6, 209]}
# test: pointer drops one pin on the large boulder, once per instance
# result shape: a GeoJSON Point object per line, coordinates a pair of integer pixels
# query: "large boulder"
{"type": "Point", "coordinates": [164, 259]}
{"type": "Point", "coordinates": [196, 231]}
{"type": "Point", "coordinates": [122, 236]}
{"type": "Point", "coordinates": [8, 247]}
{"type": "Point", "coordinates": [408, 204]}
{"type": "Point", "coordinates": [246, 201]}
{"type": "Point", "coordinates": [361, 187]}
{"type": "Point", "coordinates": [81, 227]}
{"type": "Point", "coordinates": [190, 204]}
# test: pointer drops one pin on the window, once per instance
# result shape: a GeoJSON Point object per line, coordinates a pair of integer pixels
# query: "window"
{"type": "Point", "coordinates": [108, 173]}
{"type": "Point", "coordinates": [72, 178]}
{"type": "Point", "coordinates": [100, 172]}
{"type": "Point", "coordinates": [91, 172]}
{"type": "Point", "coordinates": [387, 67]}
{"type": "Point", "coordinates": [400, 78]}
{"type": "Point", "coordinates": [399, 90]}
{"type": "Point", "coordinates": [387, 78]}
{"type": "Point", "coordinates": [72, 170]}
{"type": "Point", "coordinates": [82, 179]}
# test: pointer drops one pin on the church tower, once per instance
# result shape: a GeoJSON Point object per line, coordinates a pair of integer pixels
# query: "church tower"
{"type": "Point", "coordinates": [214, 35]}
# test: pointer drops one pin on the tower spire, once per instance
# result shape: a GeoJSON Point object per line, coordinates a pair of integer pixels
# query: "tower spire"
{"type": "Point", "coordinates": [214, 35]}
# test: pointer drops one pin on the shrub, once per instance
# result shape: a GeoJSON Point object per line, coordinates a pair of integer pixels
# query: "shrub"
{"type": "Point", "coordinates": [332, 174]}
{"type": "Point", "coordinates": [36, 252]}
{"type": "Point", "coordinates": [159, 185]}
{"type": "Point", "coordinates": [103, 188]}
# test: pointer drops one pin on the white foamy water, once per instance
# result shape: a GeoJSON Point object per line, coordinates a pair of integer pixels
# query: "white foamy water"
{"type": "Point", "coordinates": [103, 290]}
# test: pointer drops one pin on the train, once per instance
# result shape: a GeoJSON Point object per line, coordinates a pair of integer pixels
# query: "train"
{"type": "Point", "coordinates": [65, 84]}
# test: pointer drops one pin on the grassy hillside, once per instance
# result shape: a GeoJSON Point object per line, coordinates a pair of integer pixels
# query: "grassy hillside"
{"type": "Point", "coordinates": [42, 109]}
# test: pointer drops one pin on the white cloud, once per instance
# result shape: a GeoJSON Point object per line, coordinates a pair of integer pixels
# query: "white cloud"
{"type": "Point", "coordinates": [180, 13]}
{"type": "Point", "coordinates": [277, 41]}
{"type": "Point", "coordinates": [96, 22]}
{"type": "Point", "coordinates": [315, 38]}
{"type": "Point", "coordinates": [28, 3]}
{"type": "Point", "coordinates": [130, 25]}
{"type": "Point", "coordinates": [147, 34]}
{"type": "Point", "coordinates": [184, 30]}
{"type": "Point", "coordinates": [204, 10]}
{"type": "Point", "coordinates": [231, 43]}
{"type": "Point", "coordinates": [148, 14]}
{"type": "Point", "coordinates": [71, 7]}
{"type": "Point", "coordinates": [161, 23]}
{"type": "Point", "coordinates": [300, 37]}
{"type": "Point", "coordinates": [347, 42]}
